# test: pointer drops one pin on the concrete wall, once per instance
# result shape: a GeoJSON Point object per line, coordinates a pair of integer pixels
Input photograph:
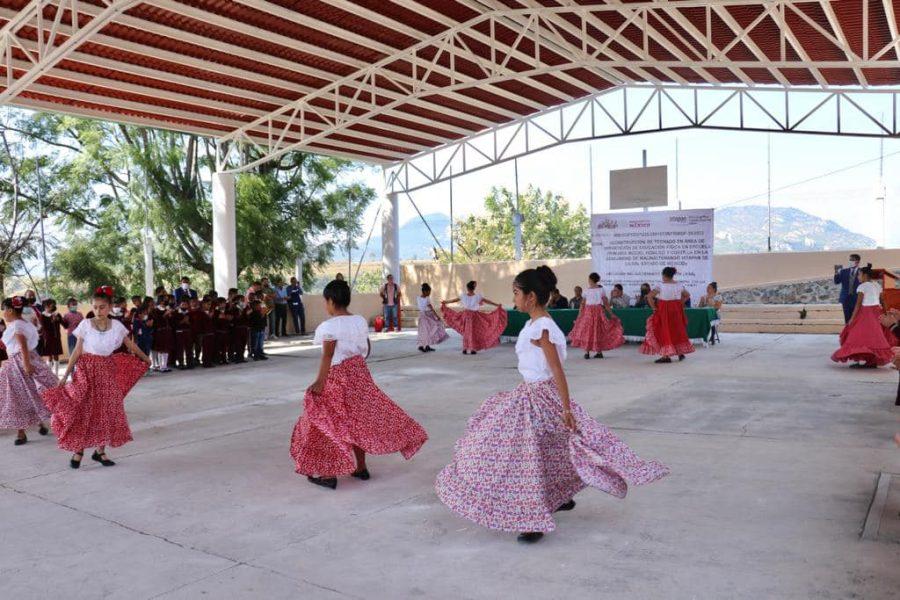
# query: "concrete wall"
{"type": "Point", "coordinates": [365, 305]}
{"type": "Point", "coordinates": [730, 270]}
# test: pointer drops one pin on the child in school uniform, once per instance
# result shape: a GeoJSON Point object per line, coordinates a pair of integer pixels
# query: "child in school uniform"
{"type": "Point", "coordinates": [51, 336]}
{"type": "Point", "coordinates": [345, 414]}
{"type": "Point", "coordinates": [180, 322]}
{"type": "Point", "coordinates": [70, 321]}
{"type": "Point", "coordinates": [163, 336]}
{"type": "Point", "coordinates": [257, 323]}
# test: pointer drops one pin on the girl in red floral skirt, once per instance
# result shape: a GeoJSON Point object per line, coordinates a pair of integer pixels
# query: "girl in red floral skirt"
{"type": "Point", "coordinates": [345, 414]}
{"type": "Point", "coordinates": [864, 339]}
{"type": "Point", "coordinates": [480, 330]}
{"type": "Point", "coordinates": [594, 331]}
{"type": "Point", "coordinates": [89, 412]}
{"type": "Point", "coordinates": [667, 326]}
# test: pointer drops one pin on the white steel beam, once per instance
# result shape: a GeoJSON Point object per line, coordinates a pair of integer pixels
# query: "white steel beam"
{"type": "Point", "coordinates": [539, 25]}
{"type": "Point", "coordinates": [657, 108]}
{"type": "Point", "coordinates": [48, 53]}
{"type": "Point", "coordinates": [355, 64]}
{"type": "Point", "coordinates": [248, 76]}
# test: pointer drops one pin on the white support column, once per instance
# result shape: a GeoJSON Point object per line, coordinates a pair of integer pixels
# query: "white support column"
{"type": "Point", "coordinates": [149, 275]}
{"type": "Point", "coordinates": [224, 233]}
{"type": "Point", "coordinates": [390, 237]}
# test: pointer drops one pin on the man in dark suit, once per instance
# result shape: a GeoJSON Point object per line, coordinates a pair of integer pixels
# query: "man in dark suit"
{"type": "Point", "coordinates": [185, 292]}
{"type": "Point", "coordinates": [846, 277]}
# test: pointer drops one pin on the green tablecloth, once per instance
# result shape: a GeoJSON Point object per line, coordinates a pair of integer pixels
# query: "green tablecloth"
{"type": "Point", "coordinates": [634, 321]}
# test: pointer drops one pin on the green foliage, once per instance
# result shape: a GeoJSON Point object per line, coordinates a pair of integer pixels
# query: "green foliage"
{"type": "Point", "coordinates": [136, 178]}
{"type": "Point", "coordinates": [551, 228]}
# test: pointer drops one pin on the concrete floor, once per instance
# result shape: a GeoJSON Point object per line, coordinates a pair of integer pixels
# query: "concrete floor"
{"type": "Point", "coordinates": [774, 452]}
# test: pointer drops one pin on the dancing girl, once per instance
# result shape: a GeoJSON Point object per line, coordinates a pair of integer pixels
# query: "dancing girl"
{"type": "Point", "coordinates": [527, 452]}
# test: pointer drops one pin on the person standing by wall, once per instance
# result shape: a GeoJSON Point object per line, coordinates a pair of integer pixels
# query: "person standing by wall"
{"type": "Point", "coordinates": [266, 295]}
{"type": "Point", "coordinates": [295, 302]}
{"type": "Point", "coordinates": [281, 307]}
{"type": "Point", "coordinates": [70, 321]}
{"type": "Point", "coordinates": [390, 299]}
{"type": "Point", "coordinates": [847, 278]}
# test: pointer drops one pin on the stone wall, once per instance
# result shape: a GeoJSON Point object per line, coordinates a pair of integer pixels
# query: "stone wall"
{"type": "Point", "coordinates": [818, 291]}
{"type": "Point", "coordinates": [814, 291]}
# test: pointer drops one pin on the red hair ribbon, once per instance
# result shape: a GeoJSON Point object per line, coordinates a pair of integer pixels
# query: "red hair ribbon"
{"type": "Point", "coordinates": [18, 301]}
{"type": "Point", "coordinates": [106, 290]}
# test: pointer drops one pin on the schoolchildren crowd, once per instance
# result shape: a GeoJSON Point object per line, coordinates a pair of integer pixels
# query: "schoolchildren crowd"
{"type": "Point", "coordinates": [178, 330]}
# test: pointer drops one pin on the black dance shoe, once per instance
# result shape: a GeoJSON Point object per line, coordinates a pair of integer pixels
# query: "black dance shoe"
{"type": "Point", "coordinates": [364, 474]}
{"type": "Point", "coordinates": [472, 352]}
{"type": "Point", "coordinates": [598, 355]}
{"type": "Point", "coordinates": [422, 349]}
{"type": "Point", "coordinates": [680, 357]}
{"type": "Point", "coordinates": [429, 349]}
{"type": "Point", "coordinates": [21, 440]}
{"type": "Point", "coordinates": [329, 482]}
{"type": "Point", "coordinates": [530, 537]}
{"type": "Point", "coordinates": [102, 459]}
{"type": "Point", "coordinates": [587, 355]}
{"type": "Point", "coordinates": [567, 506]}
{"type": "Point", "coordinates": [663, 360]}
{"type": "Point", "coordinates": [76, 463]}
{"type": "Point", "coordinates": [465, 351]}
{"type": "Point", "coordinates": [43, 429]}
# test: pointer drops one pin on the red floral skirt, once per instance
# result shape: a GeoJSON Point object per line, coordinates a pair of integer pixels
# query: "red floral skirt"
{"type": "Point", "coordinates": [350, 411]}
{"type": "Point", "coordinates": [480, 330]}
{"type": "Point", "coordinates": [667, 330]}
{"type": "Point", "coordinates": [865, 339]}
{"type": "Point", "coordinates": [89, 411]}
{"type": "Point", "coordinates": [595, 332]}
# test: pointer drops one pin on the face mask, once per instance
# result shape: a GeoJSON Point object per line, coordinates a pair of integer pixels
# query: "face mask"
{"type": "Point", "coordinates": [73, 309]}
{"type": "Point", "coordinates": [854, 264]}
{"type": "Point", "coordinates": [117, 311]}
{"type": "Point", "coordinates": [185, 286]}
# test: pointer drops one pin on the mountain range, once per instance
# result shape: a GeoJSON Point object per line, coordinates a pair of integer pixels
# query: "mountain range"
{"type": "Point", "coordinates": [738, 229]}
{"type": "Point", "coordinates": [743, 229]}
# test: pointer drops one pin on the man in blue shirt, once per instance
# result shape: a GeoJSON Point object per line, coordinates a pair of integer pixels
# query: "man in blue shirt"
{"type": "Point", "coordinates": [281, 308]}
{"type": "Point", "coordinates": [295, 302]}
{"type": "Point", "coordinates": [185, 292]}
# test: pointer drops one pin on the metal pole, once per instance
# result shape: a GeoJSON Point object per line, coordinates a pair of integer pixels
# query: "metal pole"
{"type": "Point", "coordinates": [644, 164]}
{"type": "Point", "coordinates": [517, 217]}
{"type": "Point", "coordinates": [452, 230]}
{"type": "Point", "coordinates": [677, 190]}
{"type": "Point", "coordinates": [883, 190]}
{"type": "Point", "coordinates": [769, 192]}
{"type": "Point", "coordinates": [591, 175]}
{"type": "Point", "coordinates": [43, 238]}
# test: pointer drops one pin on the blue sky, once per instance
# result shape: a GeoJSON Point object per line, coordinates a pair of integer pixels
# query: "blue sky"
{"type": "Point", "coordinates": [716, 168]}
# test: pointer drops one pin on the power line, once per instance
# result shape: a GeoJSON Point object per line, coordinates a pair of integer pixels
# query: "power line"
{"type": "Point", "coordinates": [809, 179]}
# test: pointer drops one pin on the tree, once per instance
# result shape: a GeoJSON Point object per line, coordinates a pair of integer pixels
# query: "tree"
{"type": "Point", "coordinates": [34, 188]}
{"type": "Point", "coordinates": [299, 204]}
{"type": "Point", "coordinates": [551, 228]}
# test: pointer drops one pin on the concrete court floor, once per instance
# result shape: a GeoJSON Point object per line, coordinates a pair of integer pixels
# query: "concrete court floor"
{"type": "Point", "coordinates": [773, 450]}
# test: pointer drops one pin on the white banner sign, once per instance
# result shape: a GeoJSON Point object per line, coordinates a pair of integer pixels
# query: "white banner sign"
{"type": "Point", "coordinates": [632, 248]}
